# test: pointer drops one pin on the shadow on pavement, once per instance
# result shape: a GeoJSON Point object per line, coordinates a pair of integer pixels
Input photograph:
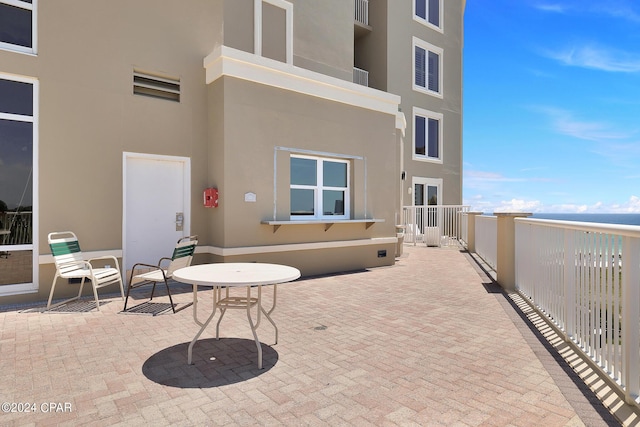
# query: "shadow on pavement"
{"type": "Point", "coordinates": [215, 363]}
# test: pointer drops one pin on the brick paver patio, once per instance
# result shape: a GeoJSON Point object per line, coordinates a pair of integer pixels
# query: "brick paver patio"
{"type": "Point", "coordinates": [428, 341]}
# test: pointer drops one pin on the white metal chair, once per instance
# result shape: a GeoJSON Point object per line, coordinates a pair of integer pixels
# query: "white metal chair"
{"type": "Point", "coordinates": [70, 264]}
{"type": "Point", "coordinates": [144, 274]}
{"type": "Point", "coordinates": [413, 233]}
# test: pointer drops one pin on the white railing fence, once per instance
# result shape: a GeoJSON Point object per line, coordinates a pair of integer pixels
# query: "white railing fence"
{"type": "Point", "coordinates": [464, 224]}
{"type": "Point", "coordinates": [486, 239]}
{"type": "Point", "coordinates": [19, 226]}
{"type": "Point", "coordinates": [360, 76]}
{"type": "Point", "coordinates": [362, 11]}
{"type": "Point", "coordinates": [433, 225]}
{"type": "Point", "coordinates": [585, 278]}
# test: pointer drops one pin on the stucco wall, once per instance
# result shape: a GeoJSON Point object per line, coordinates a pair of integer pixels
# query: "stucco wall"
{"type": "Point", "coordinates": [257, 119]}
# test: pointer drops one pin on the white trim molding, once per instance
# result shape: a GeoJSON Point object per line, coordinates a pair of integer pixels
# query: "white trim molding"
{"type": "Point", "coordinates": [252, 250]}
{"type": "Point", "coordinates": [257, 26]}
{"type": "Point", "coordinates": [226, 61]}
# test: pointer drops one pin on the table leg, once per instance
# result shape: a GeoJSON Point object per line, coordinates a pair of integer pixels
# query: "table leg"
{"type": "Point", "coordinates": [268, 313]}
{"type": "Point", "coordinates": [222, 312]}
{"type": "Point", "coordinates": [204, 325]}
{"type": "Point", "coordinates": [195, 305]}
{"type": "Point", "coordinates": [253, 327]}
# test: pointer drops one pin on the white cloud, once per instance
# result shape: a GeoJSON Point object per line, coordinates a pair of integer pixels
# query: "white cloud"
{"type": "Point", "coordinates": [551, 7]}
{"type": "Point", "coordinates": [519, 205]}
{"type": "Point", "coordinates": [565, 123]}
{"type": "Point", "coordinates": [630, 206]}
{"type": "Point", "coordinates": [597, 58]}
{"type": "Point", "coordinates": [480, 204]}
{"type": "Point", "coordinates": [618, 10]}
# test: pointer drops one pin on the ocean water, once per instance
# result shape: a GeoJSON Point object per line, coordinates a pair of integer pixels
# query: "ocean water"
{"type": "Point", "coordinates": [616, 218]}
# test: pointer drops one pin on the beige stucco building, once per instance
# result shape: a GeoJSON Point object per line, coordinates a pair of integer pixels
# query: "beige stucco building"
{"type": "Point", "coordinates": [115, 116]}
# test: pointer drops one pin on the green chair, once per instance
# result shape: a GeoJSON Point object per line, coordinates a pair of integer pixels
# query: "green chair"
{"type": "Point", "coordinates": [70, 264]}
{"type": "Point", "coordinates": [143, 274]}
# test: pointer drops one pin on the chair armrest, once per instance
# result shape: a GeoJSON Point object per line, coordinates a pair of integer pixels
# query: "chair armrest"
{"type": "Point", "coordinates": [79, 263]}
{"type": "Point", "coordinates": [107, 257]}
{"type": "Point", "coordinates": [163, 259]}
{"type": "Point", "coordinates": [150, 267]}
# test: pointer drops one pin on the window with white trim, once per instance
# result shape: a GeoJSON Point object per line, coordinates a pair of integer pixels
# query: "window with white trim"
{"type": "Point", "coordinates": [427, 68]}
{"type": "Point", "coordinates": [319, 188]}
{"type": "Point", "coordinates": [273, 29]}
{"type": "Point", "coordinates": [18, 184]}
{"type": "Point", "coordinates": [427, 135]}
{"type": "Point", "coordinates": [428, 12]}
{"type": "Point", "coordinates": [18, 25]}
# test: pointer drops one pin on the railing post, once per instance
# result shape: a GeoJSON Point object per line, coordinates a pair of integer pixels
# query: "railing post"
{"type": "Point", "coordinates": [471, 231]}
{"type": "Point", "coordinates": [569, 282]}
{"type": "Point", "coordinates": [630, 316]}
{"type": "Point", "coordinates": [506, 245]}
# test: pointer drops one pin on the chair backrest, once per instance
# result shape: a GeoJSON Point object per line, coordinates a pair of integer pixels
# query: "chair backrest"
{"type": "Point", "coordinates": [66, 251]}
{"type": "Point", "coordinates": [182, 253]}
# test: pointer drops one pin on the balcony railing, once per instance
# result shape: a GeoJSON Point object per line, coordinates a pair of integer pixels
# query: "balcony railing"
{"type": "Point", "coordinates": [360, 76]}
{"type": "Point", "coordinates": [583, 278]}
{"type": "Point", "coordinates": [486, 239]}
{"type": "Point", "coordinates": [362, 11]}
{"type": "Point", "coordinates": [17, 228]}
{"type": "Point", "coordinates": [433, 225]}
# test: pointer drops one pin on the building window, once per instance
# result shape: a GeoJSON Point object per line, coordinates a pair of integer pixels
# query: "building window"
{"type": "Point", "coordinates": [273, 30]}
{"type": "Point", "coordinates": [18, 25]}
{"type": "Point", "coordinates": [427, 70]}
{"type": "Point", "coordinates": [319, 188]}
{"type": "Point", "coordinates": [18, 182]}
{"type": "Point", "coordinates": [427, 135]}
{"type": "Point", "coordinates": [428, 12]}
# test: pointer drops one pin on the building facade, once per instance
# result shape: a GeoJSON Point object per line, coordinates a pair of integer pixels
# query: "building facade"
{"type": "Point", "coordinates": [116, 117]}
{"type": "Point", "coordinates": [414, 49]}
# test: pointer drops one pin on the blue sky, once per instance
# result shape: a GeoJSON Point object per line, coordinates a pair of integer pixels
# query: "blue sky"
{"type": "Point", "coordinates": [552, 106]}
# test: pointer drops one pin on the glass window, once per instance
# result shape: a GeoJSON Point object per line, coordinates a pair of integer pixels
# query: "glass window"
{"type": "Point", "coordinates": [17, 25]}
{"type": "Point", "coordinates": [427, 195]}
{"type": "Point", "coordinates": [319, 188]}
{"type": "Point", "coordinates": [16, 183]}
{"type": "Point", "coordinates": [427, 65]}
{"type": "Point", "coordinates": [303, 171]}
{"type": "Point", "coordinates": [17, 97]}
{"type": "Point", "coordinates": [427, 135]}
{"type": "Point", "coordinates": [428, 12]}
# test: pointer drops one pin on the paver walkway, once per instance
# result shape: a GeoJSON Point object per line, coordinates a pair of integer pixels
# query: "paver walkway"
{"type": "Point", "coordinates": [425, 342]}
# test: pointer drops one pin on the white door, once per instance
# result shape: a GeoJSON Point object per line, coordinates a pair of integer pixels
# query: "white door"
{"type": "Point", "coordinates": [156, 206]}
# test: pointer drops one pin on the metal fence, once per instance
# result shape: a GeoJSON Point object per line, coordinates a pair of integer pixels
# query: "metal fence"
{"type": "Point", "coordinates": [585, 278]}
{"type": "Point", "coordinates": [17, 228]}
{"type": "Point", "coordinates": [433, 225]}
{"type": "Point", "coordinates": [362, 11]}
{"type": "Point", "coordinates": [486, 239]}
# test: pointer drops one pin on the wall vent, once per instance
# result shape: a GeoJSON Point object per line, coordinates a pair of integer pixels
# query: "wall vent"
{"type": "Point", "coordinates": [156, 87]}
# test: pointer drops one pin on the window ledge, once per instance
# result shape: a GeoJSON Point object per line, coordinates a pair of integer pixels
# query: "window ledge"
{"type": "Point", "coordinates": [328, 223]}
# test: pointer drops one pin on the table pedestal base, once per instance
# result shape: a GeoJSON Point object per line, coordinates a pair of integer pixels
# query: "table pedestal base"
{"type": "Point", "coordinates": [233, 303]}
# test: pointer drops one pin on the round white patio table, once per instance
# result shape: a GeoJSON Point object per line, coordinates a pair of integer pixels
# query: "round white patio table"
{"type": "Point", "coordinates": [221, 276]}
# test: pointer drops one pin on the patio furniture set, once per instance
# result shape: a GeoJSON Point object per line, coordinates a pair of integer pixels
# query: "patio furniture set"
{"type": "Point", "coordinates": [221, 277]}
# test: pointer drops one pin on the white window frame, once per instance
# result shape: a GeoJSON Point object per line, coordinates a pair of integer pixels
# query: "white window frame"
{"type": "Point", "coordinates": [23, 288]}
{"type": "Point", "coordinates": [439, 28]}
{"type": "Point", "coordinates": [428, 47]}
{"type": "Point", "coordinates": [420, 112]}
{"type": "Point", "coordinates": [257, 26]}
{"type": "Point", "coordinates": [33, 49]}
{"type": "Point", "coordinates": [320, 187]}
